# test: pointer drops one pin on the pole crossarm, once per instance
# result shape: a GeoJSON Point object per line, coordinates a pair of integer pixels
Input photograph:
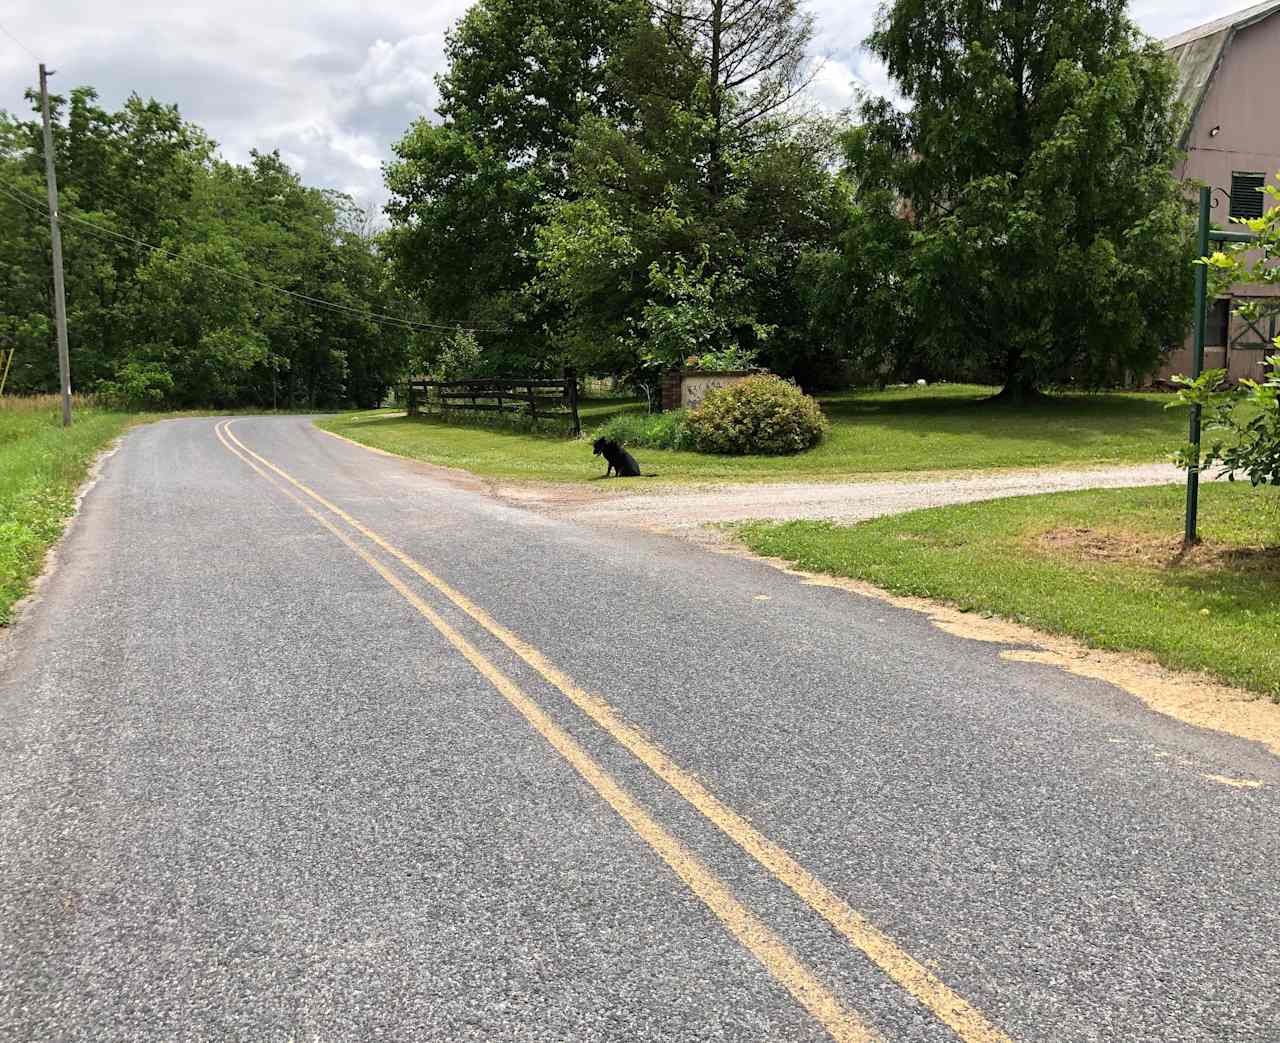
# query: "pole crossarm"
{"type": "Point", "coordinates": [1219, 235]}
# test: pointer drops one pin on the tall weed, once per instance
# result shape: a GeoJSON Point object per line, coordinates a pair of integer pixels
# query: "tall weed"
{"type": "Point", "coordinates": [648, 430]}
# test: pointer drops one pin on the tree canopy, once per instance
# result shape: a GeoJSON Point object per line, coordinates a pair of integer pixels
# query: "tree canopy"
{"type": "Point", "coordinates": [1050, 240]}
{"type": "Point", "coordinates": [468, 191]}
{"type": "Point", "coordinates": [628, 183]}
{"type": "Point", "coordinates": [622, 185]}
{"type": "Point", "coordinates": [212, 311]}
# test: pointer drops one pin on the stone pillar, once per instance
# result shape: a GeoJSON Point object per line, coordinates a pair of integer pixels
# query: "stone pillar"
{"type": "Point", "coordinates": [672, 380]}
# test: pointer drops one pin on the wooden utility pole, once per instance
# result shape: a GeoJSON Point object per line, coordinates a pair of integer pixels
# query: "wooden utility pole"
{"type": "Point", "coordinates": [55, 234]}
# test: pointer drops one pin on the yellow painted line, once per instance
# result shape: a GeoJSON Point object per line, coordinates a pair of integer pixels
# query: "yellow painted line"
{"type": "Point", "coordinates": [745, 926]}
{"type": "Point", "coordinates": [1228, 780]}
{"type": "Point", "coordinates": [948, 1006]}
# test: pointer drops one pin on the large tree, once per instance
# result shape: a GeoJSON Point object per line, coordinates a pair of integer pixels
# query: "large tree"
{"type": "Point", "coordinates": [1034, 164]}
{"type": "Point", "coordinates": [856, 304]}
{"type": "Point", "coordinates": [754, 61]}
{"type": "Point", "coordinates": [468, 190]}
{"type": "Point", "coordinates": [690, 209]}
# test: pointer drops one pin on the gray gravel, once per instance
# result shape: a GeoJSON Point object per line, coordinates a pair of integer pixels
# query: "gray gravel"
{"type": "Point", "coordinates": [246, 792]}
{"type": "Point", "coordinates": [680, 507]}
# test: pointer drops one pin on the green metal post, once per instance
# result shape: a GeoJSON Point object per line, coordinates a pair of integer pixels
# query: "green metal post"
{"type": "Point", "coordinates": [1197, 367]}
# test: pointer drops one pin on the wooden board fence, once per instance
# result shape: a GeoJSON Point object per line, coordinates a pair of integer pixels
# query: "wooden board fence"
{"type": "Point", "coordinates": [539, 398]}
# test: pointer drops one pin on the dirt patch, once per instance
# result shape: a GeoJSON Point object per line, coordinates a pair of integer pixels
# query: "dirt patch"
{"type": "Point", "coordinates": [1152, 551]}
{"type": "Point", "coordinates": [1192, 698]}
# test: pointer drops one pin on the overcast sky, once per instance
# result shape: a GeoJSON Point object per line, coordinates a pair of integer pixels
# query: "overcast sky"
{"type": "Point", "coordinates": [332, 86]}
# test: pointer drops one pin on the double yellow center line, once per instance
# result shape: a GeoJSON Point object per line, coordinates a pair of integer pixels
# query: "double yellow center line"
{"type": "Point", "coordinates": [968, 1023]}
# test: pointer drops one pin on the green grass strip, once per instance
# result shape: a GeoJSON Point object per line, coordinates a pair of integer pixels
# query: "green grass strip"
{"type": "Point", "coordinates": [41, 466]}
{"type": "Point", "coordinates": [944, 427]}
{"type": "Point", "coordinates": [1102, 566]}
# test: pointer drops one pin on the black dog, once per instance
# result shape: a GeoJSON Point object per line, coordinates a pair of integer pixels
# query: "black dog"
{"type": "Point", "coordinates": [619, 459]}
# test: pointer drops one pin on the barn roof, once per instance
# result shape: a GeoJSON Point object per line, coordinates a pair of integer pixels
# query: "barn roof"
{"type": "Point", "coordinates": [1198, 53]}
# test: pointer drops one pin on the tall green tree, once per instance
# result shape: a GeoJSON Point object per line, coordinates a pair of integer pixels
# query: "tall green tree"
{"type": "Point", "coordinates": [468, 191]}
{"type": "Point", "coordinates": [856, 306]}
{"type": "Point", "coordinates": [684, 226]}
{"type": "Point", "coordinates": [1050, 239]}
{"type": "Point", "coordinates": [754, 62]}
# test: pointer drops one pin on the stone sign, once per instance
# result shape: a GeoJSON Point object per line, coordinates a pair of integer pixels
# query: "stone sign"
{"type": "Point", "coordinates": [686, 388]}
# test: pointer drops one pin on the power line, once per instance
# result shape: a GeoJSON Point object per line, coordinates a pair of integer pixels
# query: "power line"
{"type": "Point", "coordinates": [316, 301]}
{"type": "Point", "coordinates": [34, 207]}
{"type": "Point", "coordinates": [96, 185]}
{"type": "Point", "coordinates": [19, 42]}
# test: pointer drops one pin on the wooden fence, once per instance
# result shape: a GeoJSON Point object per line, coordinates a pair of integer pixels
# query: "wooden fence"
{"type": "Point", "coordinates": [539, 398]}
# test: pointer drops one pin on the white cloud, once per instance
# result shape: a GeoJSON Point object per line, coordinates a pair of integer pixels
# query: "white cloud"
{"type": "Point", "coordinates": [330, 87]}
{"type": "Point", "coordinates": [833, 87]}
{"type": "Point", "coordinates": [403, 73]}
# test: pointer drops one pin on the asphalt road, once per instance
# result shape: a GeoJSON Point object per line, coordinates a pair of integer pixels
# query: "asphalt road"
{"type": "Point", "coordinates": [302, 743]}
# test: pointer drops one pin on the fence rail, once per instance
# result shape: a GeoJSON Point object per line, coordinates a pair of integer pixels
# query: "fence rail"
{"type": "Point", "coordinates": [514, 396]}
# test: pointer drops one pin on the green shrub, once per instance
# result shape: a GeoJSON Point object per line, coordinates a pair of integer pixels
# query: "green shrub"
{"type": "Point", "coordinates": [515, 423]}
{"type": "Point", "coordinates": [1241, 424]}
{"type": "Point", "coordinates": [458, 357]}
{"type": "Point", "coordinates": [137, 385]}
{"type": "Point", "coordinates": [731, 358]}
{"type": "Point", "coordinates": [763, 414]}
{"type": "Point", "coordinates": [648, 430]}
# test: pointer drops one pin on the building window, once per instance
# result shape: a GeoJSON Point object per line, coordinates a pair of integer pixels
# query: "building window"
{"type": "Point", "coordinates": [1217, 327]}
{"type": "Point", "coordinates": [1246, 194]}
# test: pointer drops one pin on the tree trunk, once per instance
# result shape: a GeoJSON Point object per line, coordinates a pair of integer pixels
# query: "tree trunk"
{"type": "Point", "coordinates": [1019, 384]}
{"type": "Point", "coordinates": [715, 171]}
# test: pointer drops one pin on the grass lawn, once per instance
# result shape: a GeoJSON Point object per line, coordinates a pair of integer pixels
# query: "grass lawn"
{"type": "Point", "coordinates": [945, 427]}
{"type": "Point", "coordinates": [1102, 566]}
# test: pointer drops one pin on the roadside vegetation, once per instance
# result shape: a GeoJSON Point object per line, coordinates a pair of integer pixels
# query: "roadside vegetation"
{"type": "Point", "coordinates": [623, 186]}
{"type": "Point", "coordinates": [41, 466]}
{"type": "Point", "coordinates": [953, 427]}
{"type": "Point", "coordinates": [1104, 566]}
{"type": "Point", "coordinates": [222, 309]}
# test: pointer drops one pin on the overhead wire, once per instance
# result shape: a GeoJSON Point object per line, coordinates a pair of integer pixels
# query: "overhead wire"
{"type": "Point", "coordinates": [19, 42]}
{"type": "Point", "coordinates": [414, 324]}
{"type": "Point", "coordinates": [41, 210]}
{"type": "Point", "coordinates": [35, 204]}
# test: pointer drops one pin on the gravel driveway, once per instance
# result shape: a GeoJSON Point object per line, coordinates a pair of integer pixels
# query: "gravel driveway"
{"type": "Point", "coordinates": [676, 507]}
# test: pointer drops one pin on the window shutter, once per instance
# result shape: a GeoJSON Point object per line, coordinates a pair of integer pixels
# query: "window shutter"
{"type": "Point", "coordinates": [1246, 195]}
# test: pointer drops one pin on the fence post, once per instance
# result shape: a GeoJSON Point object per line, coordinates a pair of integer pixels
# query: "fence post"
{"type": "Point", "coordinates": [571, 397]}
{"type": "Point", "coordinates": [410, 403]}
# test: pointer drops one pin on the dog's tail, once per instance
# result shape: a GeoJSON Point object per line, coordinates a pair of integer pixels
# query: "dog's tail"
{"type": "Point", "coordinates": [647, 474]}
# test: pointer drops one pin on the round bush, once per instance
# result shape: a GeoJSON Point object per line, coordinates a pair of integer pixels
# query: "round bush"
{"type": "Point", "coordinates": [762, 414]}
